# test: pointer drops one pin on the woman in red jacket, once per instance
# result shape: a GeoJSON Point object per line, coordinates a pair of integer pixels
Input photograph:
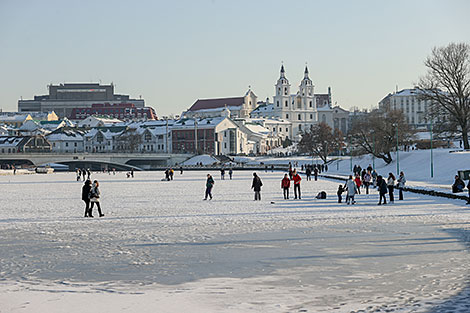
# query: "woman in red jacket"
{"type": "Point", "coordinates": [357, 180]}
{"type": "Point", "coordinates": [296, 178]}
{"type": "Point", "coordinates": [285, 185]}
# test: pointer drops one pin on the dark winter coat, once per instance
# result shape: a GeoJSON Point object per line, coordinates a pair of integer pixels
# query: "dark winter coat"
{"type": "Point", "coordinates": [210, 182]}
{"type": "Point", "coordinates": [257, 183]}
{"type": "Point", "coordinates": [86, 192]}
{"type": "Point", "coordinates": [383, 186]}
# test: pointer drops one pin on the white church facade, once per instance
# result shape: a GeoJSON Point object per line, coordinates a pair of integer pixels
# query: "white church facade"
{"type": "Point", "coordinates": [288, 114]}
{"type": "Point", "coordinates": [302, 109]}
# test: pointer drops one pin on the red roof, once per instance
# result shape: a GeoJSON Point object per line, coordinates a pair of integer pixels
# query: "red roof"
{"type": "Point", "coordinates": [204, 104]}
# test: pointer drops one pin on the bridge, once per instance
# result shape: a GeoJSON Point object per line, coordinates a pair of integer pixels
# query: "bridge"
{"type": "Point", "coordinates": [97, 161]}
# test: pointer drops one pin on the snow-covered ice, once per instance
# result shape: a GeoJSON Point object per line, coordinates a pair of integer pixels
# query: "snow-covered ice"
{"type": "Point", "coordinates": [160, 248]}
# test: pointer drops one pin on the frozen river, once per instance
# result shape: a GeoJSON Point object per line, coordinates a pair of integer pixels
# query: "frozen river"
{"type": "Point", "coordinates": [160, 248]}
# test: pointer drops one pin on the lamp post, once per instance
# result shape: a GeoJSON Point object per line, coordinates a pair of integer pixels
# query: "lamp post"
{"type": "Point", "coordinates": [195, 134]}
{"type": "Point", "coordinates": [350, 154]}
{"type": "Point", "coordinates": [432, 164]}
{"type": "Point", "coordinates": [373, 150]}
{"type": "Point", "coordinates": [398, 155]}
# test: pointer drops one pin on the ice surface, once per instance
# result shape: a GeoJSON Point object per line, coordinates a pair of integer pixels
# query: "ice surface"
{"type": "Point", "coordinates": [160, 247]}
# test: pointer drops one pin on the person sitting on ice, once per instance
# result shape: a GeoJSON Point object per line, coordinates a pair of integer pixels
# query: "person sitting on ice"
{"type": "Point", "coordinates": [458, 185]}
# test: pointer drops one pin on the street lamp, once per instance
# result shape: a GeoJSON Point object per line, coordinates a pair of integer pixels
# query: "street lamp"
{"type": "Point", "coordinates": [398, 155]}
{"type": "Point", "coordinates": [432, 164]}
{"type": "Point", "coordinates": [373, 150]}
{"type": "Point", "coordinates": [350, 154]}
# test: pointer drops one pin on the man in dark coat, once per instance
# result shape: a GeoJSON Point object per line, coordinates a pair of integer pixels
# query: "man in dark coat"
{"type": "Point", "coordinates": [209, 184]}
{"type": "Point", "coordinates": [308, 172]}
{"type": "Point", "coordinates": [86, 195]}
{"type": "Point", "coordinates": [256, 186]}
{"type": "Point", "coordinates": [382, 187]}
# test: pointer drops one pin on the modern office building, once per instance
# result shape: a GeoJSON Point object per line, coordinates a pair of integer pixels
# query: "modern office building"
{"type": "Point", "coordinates": [63, 98]}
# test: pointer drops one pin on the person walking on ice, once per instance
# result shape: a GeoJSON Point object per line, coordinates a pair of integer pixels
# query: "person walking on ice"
{"type": "Point", "coordinates": [209, 184]}
{"type": "Point", "coordinates": [86, 189]}
{"type": "Point", "coordinates": [351, 189]}
{"type": "Point", "coordinates": [95, 199]}
{"type": "Point", "coordinates": [296, 178]}
{"type": "Point", "coordinates": [256, 186]}
{"type": "Point", "coordinates": [401, 184]}
{"type": "Point", "coordinates": [285, 185]}
{"type": "Point", "coordinates": [391, 186]}
{"type": "Point", "coordinates": [382, 187]}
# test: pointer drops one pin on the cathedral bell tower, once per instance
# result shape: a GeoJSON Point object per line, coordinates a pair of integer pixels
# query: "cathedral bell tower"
{"type": "Point", "coordinates": [306, 92]}
{"type": "Point", "coordinates": [282, 97]}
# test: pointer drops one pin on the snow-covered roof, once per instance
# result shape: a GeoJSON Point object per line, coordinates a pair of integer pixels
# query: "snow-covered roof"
{"type": "Point", "coordinates": [11, 141]}
{"type": "Point", "coordinates": [264, 108]}
{"type": "Point", "coordinates": [29, 125]}
{"type": "Point", "coordinates": [209, 122]}
{"type": "Point", "coordinates": [65, 135]}
{"type": "Point", "coordinates": [108, 133]}
{"type": "Point", "coordinates": [256, 128]}
{"type": "Point", "coordinates": [259, 120]}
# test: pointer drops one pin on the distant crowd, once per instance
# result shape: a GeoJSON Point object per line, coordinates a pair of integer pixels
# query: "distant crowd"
{"type": "Point", "coordinates": [362, 180]}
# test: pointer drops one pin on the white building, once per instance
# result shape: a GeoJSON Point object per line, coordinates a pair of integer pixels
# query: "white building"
{"type": "Point", "coordinates": [102, 140]}
{"type": "Point", "coordinates": [238, 106]}
{"type": "Point", "coordinates": [302, 109]}
{"type": "Point", "coordinates": [67, 141]}
{"type": "Point", "coordinates": [416, 110]}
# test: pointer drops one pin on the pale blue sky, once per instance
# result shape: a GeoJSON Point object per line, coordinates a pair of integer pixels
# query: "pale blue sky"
{"type": "Point", "coordinates": [174, 52]}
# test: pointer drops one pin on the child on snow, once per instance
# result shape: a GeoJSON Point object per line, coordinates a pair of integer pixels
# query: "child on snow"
{"type": "Point", "coordinates": [339, 193]}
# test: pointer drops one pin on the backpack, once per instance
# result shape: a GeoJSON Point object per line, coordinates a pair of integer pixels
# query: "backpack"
{"type": "Point", "coordinates": [321, 195]}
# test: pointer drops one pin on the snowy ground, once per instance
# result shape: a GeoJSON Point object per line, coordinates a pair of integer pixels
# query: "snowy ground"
{"type": "Point", "coordinates": [160, 248]}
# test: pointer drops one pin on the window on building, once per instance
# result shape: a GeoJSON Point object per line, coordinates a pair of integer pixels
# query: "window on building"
{"type": "Point", "coordinates": [299, 117]}
{"type": "Point", "coordinates": [311, 103]}
{"type": "Point", "coordinates": [300, 127]}
{"type": "Point", "coordinates": [287, 103]}
{"type": "Point", "coordinates": [287, 130]}
{"type": "Point", "coordinates": [287, 115]}
{"type": "Point", "coordinates": [285, 91]}
{"type": "Point", "coordinates": [277, 102]}
{"type": "Point", "coordinates": [311, 116]}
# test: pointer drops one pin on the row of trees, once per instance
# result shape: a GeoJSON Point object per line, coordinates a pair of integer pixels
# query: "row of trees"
{"type": "Point", "coordinates": [376, 133]}
{"type": "Point", "coordinates": [446, 85]}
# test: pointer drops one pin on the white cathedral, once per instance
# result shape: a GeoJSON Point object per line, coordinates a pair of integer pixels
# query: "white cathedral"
{"type": "Point", "coordinates": [286, 117]}
{"type": "Point", "coordinates": [302, 109]}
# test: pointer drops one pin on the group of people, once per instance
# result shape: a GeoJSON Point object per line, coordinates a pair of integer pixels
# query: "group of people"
{"type": "Point", "coordinates": [83, 173]}
{"type": "Point", "coordinates": [285, 184]}
{"type": "Point", "coordinates": [384, 186]}
{"type": "Point", "coordinates": [91, 194]}
{"type": "Point", "coordinates": [222, 173]}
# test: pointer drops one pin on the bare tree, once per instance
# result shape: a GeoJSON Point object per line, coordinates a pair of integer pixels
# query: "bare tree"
{"type": "Point", "coordinates": [376, 133]}
{"type": "Point", "coordinates": [129, 140]}
{"type": "Point", "coordinates": [320, 141]}
{"type": "Point", "coordinates": [447, 84]}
